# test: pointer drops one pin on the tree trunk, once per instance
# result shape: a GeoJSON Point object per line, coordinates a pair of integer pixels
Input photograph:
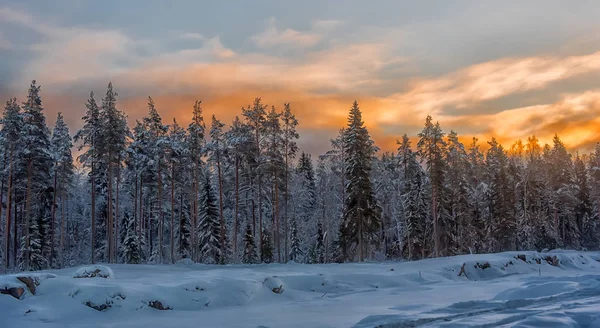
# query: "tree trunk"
{"type": "Point", "coordinates": [142, 228]}
{"type": "Point", "coordinates": [237, 202]}
{"type": "Point", "coordinates": [172, 212]}
{"type": "Point", "coordinates": [436, 241]}
{"type": "Point", "coordinates": [52, 223]}
{"type": "Point", "coordinates": [109, 226]}
{"type": "Point", "coordinates": [116, 232]}
{"type": "Point", "coordinates": [15, 231]}
{"type": "Point", "coordinates": [277, 218]}
{"type": "Point", "coordinates": [93, 213]}
{"type": "Point", "coordinates": [135, 206]}
{"type": "Point", "coordinates": [195, 207]}
{"type": "Point", "coordinates": [160, 214]}
{"type": "Point", "coordinates": [62, 227]}
{"type": "Point", "coordinates": [285, 201]}
{"type": "Point", "coordinates": [8, 214]}
{"type": "Point", "coordinates": [27, 254]}
{"type": "Point", "coordinates": [221, 218]}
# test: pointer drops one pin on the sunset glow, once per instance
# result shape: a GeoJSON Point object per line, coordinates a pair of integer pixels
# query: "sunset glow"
{"type": "Point", "coordinates": [465, 64]}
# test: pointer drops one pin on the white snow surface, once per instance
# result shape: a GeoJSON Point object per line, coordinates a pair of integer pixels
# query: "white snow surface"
{"type": "Point", "coordinates": [553, 289]}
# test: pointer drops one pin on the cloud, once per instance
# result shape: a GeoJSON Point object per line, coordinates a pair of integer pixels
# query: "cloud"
{"type": "Point", "coordinates": [271, 36]}
{"type": "Point", "coordinates": [5, 43]}
{"type": "Point", "coordinates": [193, 36]}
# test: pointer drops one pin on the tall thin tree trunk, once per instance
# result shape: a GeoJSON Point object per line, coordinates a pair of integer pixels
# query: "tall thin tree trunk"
{"type": "Point", "coordinates": [116, 232]}
{"type": "Point", "coordinates": [62, 226]}
{"type": "Point", "coordinates": [172, 212]}
{"type": "Point", "coordinates": [135, 206]}
{"type": "Point", "coordinates": [142, 227]}
{"type": "Point", "coordinates": [221, 218]}
{"type": "Point", "coordinates": [93, 213]}
{"type": "Point", "coordinates": [237, 202]}
{"type": "Point", "coordinates": [27, 253]}
{"type": "Point", "coordinates": [436, 241]}
{"type": "Point", "coordinates": [15, 231]}
{"type": "Point", "coordinates": [161, 215]}
{"type": "Point", "coordinates": [277, 230]}
{"type": "Point", "coordinates": [8, 213]}
{"type": "Point", "coordinates": [109, 226]}
{"type": "Point", "coordinates": [195, 209]}
{"type": "Point", "coordinates": [52, 224]}
{"type": "Point", "coordinates": [285, 201]}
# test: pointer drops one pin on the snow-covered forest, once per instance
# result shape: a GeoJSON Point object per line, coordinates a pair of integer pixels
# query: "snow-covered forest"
{"type": "Point", "coordinates": [154, 191]}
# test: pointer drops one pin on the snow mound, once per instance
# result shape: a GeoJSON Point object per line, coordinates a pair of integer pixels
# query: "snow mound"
{"type": "Point", "coordinates": [93, 271]}
{"type": "Point", "coordinates": [185, 261]}
{"type": "Point", "coordinates": [274, 284]}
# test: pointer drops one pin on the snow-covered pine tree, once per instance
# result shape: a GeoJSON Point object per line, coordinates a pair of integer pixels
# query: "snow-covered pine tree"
{"type": "Point", "coordinates": [561, 181]}
{"type": "Point", "coordinates": [36, 156]}
{"type": "Point", "coordinates": [131, 245]}
{"type": "Point", "coordinates": [178, 160]}
{"type": "Point", "coordinates": [208, 228]}
{"type": "Point", "coordinates": [266, 248]}
{"type": "Point", "coordinates": [319, 246]}
{"type": "Point", "coordinates": [157, 144]}
{"type": "Point", "coordinates": [414, 201]}
{"type": "Point", "coordinates": [583, 208]}
{"type": "Point", "coordinates": [196, 133]}
{"type": "Point", "coordinates": [250, 255]}
{"type": "Point", "coordinates": [63, 171]}
{"type": "Point", "coordinates": [115, 134]}
{"type": "Point", "coordinates": [215, 150]}
{"type": "Point", "coordinates": [362, 215]}
{"type": "Point", "coordinates": [255, 116]}
{"type": "Point", "coordinates": [295, 250]}
{"type": "Point", "coordinates": [457, 201]}
{"type": "Point", "coordinates": [431, 147]}
{"type": "Point", "coordinates": [288, 125]}
{"type": "Point", "coordinates": [12, 122]}
{"type": "Point", "coordinates": [91, 139]}
{"type": "Point", "coordinates": [275, 168]}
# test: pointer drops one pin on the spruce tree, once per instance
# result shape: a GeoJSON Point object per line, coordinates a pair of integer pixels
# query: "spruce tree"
{"type": "Point", "coordinates": [362, 215]}
{"type": "Point", "coordinates": [250, 256]}
{"type": "Point", "coordinates": [209, 228]}
{"type": "Point", "coordinates": [266, 248]}
{"type": "Point", "coordinates": [12, 122]}
{"type": "Point", "coordinates": [131, 244]}
{"type": "Point", "coordinates": [63, 173]}
{"type": "Point", "coordinates": [36, 156]}
{"type": "Point", "coordinates": [295, 250]}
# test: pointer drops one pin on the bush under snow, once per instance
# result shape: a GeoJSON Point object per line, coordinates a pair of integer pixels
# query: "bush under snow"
{"type": "Point", "coordinates": [93, 271]}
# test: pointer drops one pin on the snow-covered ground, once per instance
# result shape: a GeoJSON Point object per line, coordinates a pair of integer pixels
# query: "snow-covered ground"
{"type": "Point", "coordinates": [555, 289]}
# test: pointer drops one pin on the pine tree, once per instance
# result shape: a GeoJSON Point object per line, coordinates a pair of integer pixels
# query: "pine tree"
{"type": "Point", "coordinates": [319, 248]}
{"type": "Point", "coordinates": [295, 251]}
{"type": "Point", "coordinates": [36, 155]}
{"type": "Point", "coordinates": [12, 121]}
{"type": "Point", "coordinates": [414, 201]}
{"type": "Point", "coordinates": [216, 153]}
{"type": "Point", "coordinates": [289, 124]}
{"type": "Point", "coordinates": [431, 148]}
{"type": "Point", "coordinates": [91, 138]}
{"type": "Point", "coordinates": [250, 255]}
{"type": "Point", "coordinates": [209, 229]}
{"type": "Point", "coordinates": [266, 248]}
{"type": "Point", "coordinates": [131, 244]}
{"type": "Point", "coordinates": [115, 133]}
{"type": "Point", "coordinates": [196, 131]}
{"type": "Point", "coordinates": [63, 173]}
{"type": "Point", "coordinates": [362, 216]}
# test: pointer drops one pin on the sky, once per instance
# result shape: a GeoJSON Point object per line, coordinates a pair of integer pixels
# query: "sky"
{"type": "Point", "coordinates": [507, 69]}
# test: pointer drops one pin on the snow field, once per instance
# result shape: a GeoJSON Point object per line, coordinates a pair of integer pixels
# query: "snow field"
{"type": "Point", "coordinates": [526, 289]}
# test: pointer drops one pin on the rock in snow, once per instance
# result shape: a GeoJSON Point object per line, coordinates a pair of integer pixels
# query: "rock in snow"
{"type": "Point", "coordinates": [93, 271]}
